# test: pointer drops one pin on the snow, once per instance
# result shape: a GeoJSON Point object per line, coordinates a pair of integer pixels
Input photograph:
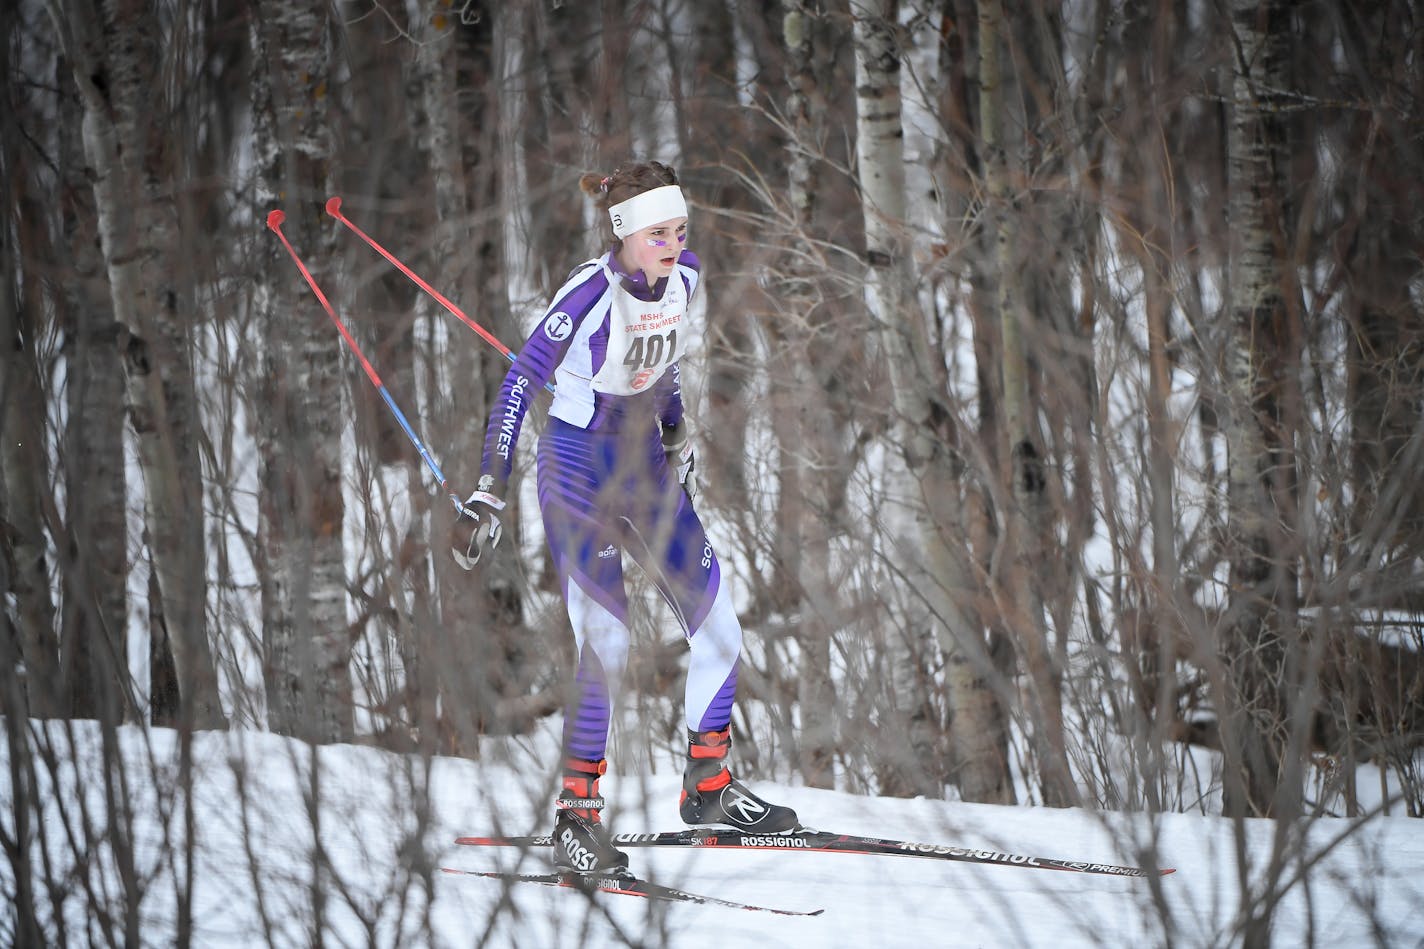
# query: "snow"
{"type": "Point", "coordinates": [1345, 883]}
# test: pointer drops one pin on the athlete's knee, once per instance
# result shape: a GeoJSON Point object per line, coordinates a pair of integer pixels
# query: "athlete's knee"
{"type": "Point", "coordinates": [720, 632]}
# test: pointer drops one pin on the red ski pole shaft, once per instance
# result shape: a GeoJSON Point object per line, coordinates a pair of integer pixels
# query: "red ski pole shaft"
{"type": "Point", "coordinates": [274, 223]}
{"type": "Point", "coordinates": [333, 207]}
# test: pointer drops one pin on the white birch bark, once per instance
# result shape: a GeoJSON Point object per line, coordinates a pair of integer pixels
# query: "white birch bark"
{"type": "Point", "coordinates": [923, 511]}
{"type": "Point", "coordinates": [96, 507]}
{"type": "Point", "coordinates": [115, 51]}
{"type": "Point", "coordinates": [306, 644]}
{"type": "Point", "coordinates": [1253, 650]}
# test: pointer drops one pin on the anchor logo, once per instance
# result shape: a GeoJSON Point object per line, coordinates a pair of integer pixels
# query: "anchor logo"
{"type": "Point", "coordinates": [558, 326]}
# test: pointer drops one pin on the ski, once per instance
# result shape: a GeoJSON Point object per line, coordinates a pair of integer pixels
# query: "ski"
{"type": "Point", "coordinates": [814, 841]}
{"type": "Point", "coordinates": [626, 886]}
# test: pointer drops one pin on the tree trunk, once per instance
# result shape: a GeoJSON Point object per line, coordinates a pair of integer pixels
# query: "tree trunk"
{"type": "Point", "coordinates": [1019, 588]}
{"type": "Point", "coordinates": [306, 643]}
{"type": "Point", "coordinates": [97, 565]}
{"type": "Point", "coordinates": [1260, 458]}
{"type": "Point", "coordinates": [801, 419]}
{"type": "Point", "coordinates": [96, 562]}
{"type": "Point", "coordinates": [731, 294]}
{"type": "Point", "coordinates": [1385, 343]}
{"type": "Point", "coordinates": [115, 52]}
{"type": "Point", "coordinates": [1149, 643]}
{"type": "Point", "coordinates": [922, 490]}
{"type": "Point", "coordinates": [23, 503]}
{"type": "Point", "coordinates": [556, 143]}
{"type": "Point", "coordinates": [979, 668]}
{"type": "Point", "coordinates": [438, 708]}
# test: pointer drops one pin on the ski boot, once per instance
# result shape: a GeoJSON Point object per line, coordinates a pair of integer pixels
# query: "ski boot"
{"type": "Point", "coordinates": [710, 795]}
{"type": "Point", "coordinates": [581, 843]}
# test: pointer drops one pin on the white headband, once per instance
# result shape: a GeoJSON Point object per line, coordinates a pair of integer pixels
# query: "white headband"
{"type": "Point", "coordinates": [646, 209]}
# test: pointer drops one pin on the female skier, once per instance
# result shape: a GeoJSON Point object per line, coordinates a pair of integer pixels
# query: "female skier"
{"type": "Point", "coordinates": [615, 475]}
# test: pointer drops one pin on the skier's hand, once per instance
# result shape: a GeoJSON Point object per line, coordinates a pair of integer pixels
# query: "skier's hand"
{"type": "Point", "coordinates": [478, 527]}
{"type": "Point", "coordinates": [681, 459]}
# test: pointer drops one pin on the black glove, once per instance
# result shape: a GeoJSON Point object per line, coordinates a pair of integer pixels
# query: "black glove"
{"type": "Point", "coordinates": [680, 458]}
{"type": "Point", "coordinates": [478, 526]}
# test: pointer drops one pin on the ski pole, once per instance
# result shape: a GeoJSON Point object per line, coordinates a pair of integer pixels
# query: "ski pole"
{"type": "Point", "coordinates": [274, 222]}
{"type": "Point", "coordinates": [333, 207]}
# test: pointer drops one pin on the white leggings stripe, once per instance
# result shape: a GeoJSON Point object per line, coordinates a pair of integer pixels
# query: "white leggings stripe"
{"type": "Point", "coordinates": [715, 648]}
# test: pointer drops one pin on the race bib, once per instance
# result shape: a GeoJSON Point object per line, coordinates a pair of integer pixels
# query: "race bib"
{"type": "Point", "coordinates": [644, 339]}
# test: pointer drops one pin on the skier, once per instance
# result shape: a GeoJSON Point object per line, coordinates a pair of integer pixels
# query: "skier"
{"type": "Point", "coordinates": [615, 475]}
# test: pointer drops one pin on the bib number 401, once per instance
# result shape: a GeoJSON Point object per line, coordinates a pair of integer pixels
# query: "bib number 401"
{"type": "Point", "coordinates": [649, 352]}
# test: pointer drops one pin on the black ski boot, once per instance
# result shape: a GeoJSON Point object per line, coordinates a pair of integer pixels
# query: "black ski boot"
{"type": "Point", "coordinates": [710, 795]}
{"type": "Point", "coordinates": [581, 843]}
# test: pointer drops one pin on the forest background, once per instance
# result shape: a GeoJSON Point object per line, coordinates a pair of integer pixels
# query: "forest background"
{"type": "Point", "coordinates": [1058, 412]}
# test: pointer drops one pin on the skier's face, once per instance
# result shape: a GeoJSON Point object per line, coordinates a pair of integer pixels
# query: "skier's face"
{"type": "Point", "coordinates": [654, 249]}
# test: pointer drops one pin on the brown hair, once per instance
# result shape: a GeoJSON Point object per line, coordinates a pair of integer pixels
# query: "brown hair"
{"type": "Point", "coordinates": [626, 181]}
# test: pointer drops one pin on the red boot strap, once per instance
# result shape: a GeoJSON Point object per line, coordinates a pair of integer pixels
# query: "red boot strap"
{"type": "Point", "coordinates": [710, 745]}
{"type": "Point", "coordinates": [715, 783]}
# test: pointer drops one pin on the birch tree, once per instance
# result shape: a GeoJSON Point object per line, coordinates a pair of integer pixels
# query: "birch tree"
{"type": "Point", "coordinates": [980, 667]}
{"type": "Point", "coordinates": [1016, 587]}
{"type": "Point", "coordinates": [485, 629]}
{"type": "Point", "coordinates": [96, 562]}
{"type": "Point", "coordinates": [921, 506]}
{"type": "Point", "coordinates": [28, 633]}
{"type": "Point", "coordinates": [115, 51]}
{"type": "Point", "coordinates": [306, 645]}
{"type": "Point", "coordinates": [1257, 633]}
{"type": "Point", "coordinates": [804, 426]}
{"type": "Point", "coordinates": [435, 120]}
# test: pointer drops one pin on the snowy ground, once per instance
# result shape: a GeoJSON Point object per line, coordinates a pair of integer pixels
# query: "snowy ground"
{"type": "Point", "coordinates": [253, 878]}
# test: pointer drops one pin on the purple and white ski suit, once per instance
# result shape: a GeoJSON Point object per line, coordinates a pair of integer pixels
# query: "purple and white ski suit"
{"type": "Point", "coordinates": [611, 344]}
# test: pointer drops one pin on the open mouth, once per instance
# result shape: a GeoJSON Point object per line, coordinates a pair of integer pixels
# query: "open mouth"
{"type": "Point", "coordinates": [667, 261]}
